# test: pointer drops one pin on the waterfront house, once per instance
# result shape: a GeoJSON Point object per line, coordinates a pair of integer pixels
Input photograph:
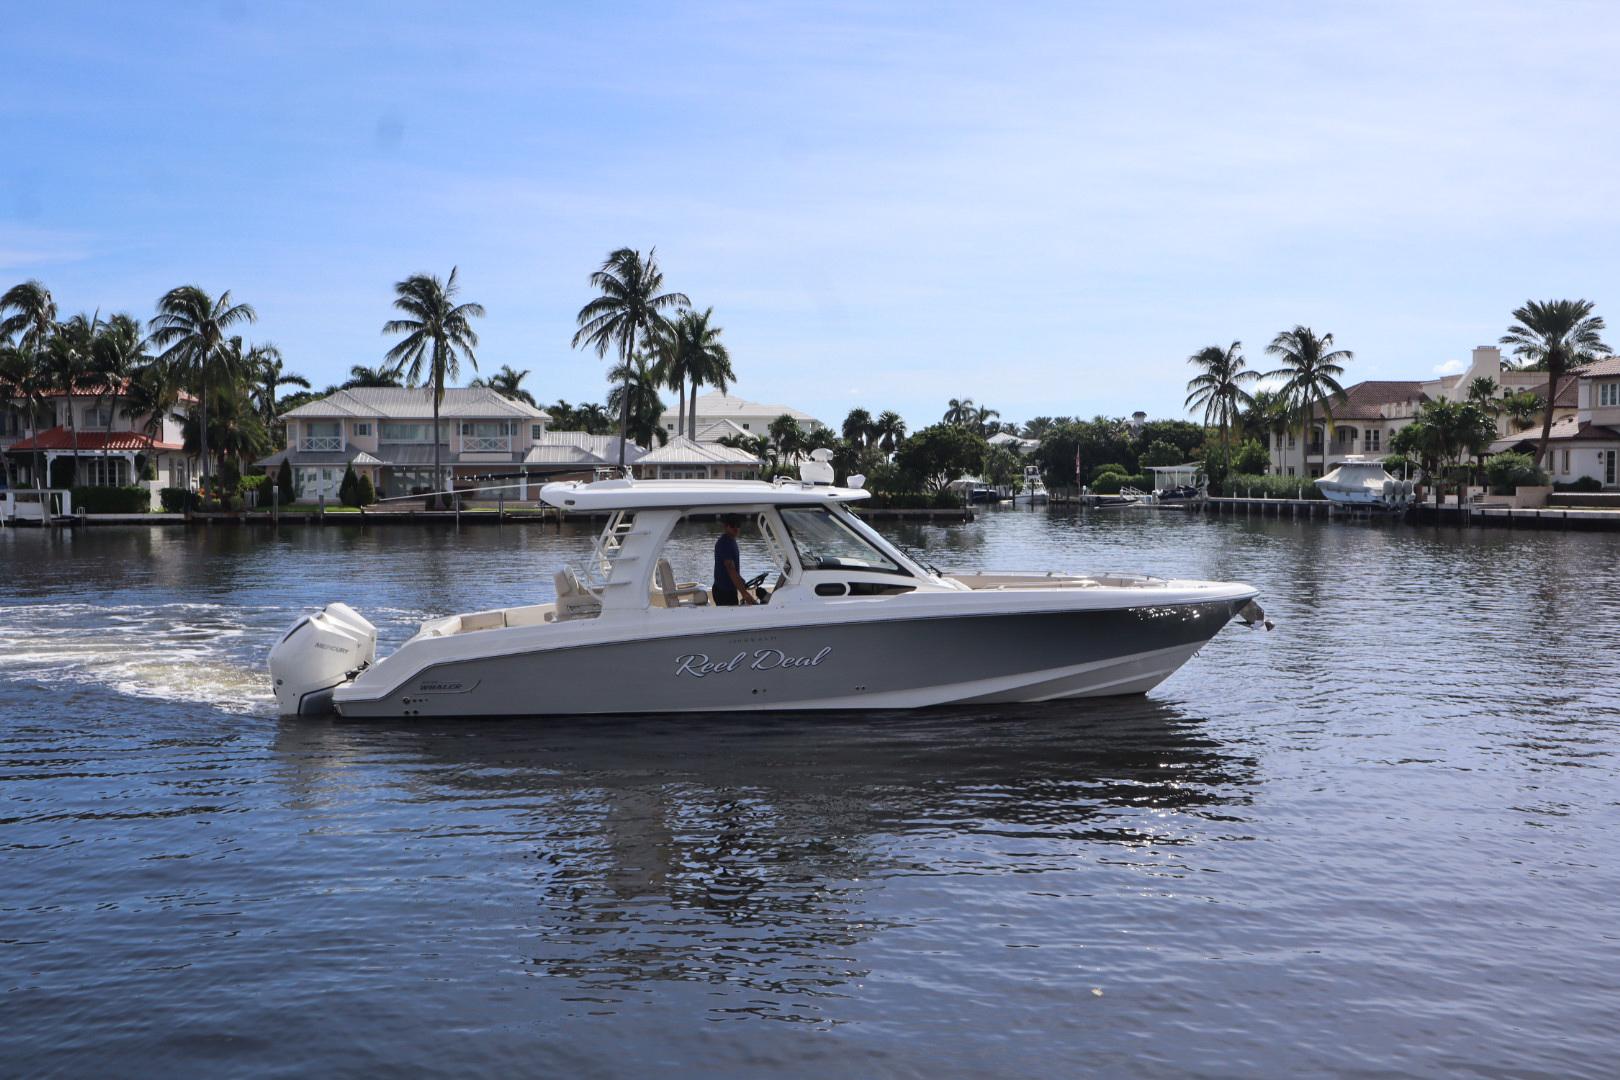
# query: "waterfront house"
{"type": "Point", "coordinates": [1371, 412]}
{"type": "Point", "coordinates": [114, 448]}
{"type": "Point", "coordinates": [720, 414]}
{"type": "Point", "coordinates": [683, 459]}
{"type": "Point", "coordinates": [1587, 443]}
{"type": "Point", "coordinates": [386, 434]}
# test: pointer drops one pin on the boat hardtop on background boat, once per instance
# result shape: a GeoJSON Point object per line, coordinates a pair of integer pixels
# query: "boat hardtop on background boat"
{"type": "Point", "coordinates": [1361, 481]}
{"type": "Point", "coordinates": [850, 621]}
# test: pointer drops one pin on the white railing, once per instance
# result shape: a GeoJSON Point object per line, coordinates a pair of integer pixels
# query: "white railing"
{"type": "Point", "coordinates": [482, 444]}
{"type": "Point", "coordinates": [323, 442]}
{"type": "Point", "coordinates": [29, 505]}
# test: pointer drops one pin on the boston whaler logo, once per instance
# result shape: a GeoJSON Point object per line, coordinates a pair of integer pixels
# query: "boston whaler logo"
{"type": "Point", "coordinates": [700, 666]}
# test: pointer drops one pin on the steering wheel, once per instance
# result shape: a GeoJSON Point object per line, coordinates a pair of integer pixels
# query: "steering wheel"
{"type": "Point", "coordinates": [756, 581]}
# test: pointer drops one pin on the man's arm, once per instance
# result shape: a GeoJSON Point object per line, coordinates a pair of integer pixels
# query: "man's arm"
{"type": "Point", "coordinates": [737, 583]}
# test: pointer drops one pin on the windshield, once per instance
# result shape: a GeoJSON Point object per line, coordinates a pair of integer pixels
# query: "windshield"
{"type": "Point", "coordinates": [825, 543]}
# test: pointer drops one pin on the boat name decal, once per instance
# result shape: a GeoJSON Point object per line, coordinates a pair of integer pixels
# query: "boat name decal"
{"type": "Point", "coordinates": [700, 666]}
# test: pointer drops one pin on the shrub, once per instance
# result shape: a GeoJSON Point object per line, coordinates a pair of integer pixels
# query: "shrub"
{"type": "Point", "coordinates": [1585, 484]}
{"type": "Point", "coordinates": [1508, 471]}
{"type": "Point", "coordinates": [1250, 458]}
{"type": "Point", "coordinates": [111, 500]}
{"type": "Point", "coordinates": [286, 491]}
{"type": "Point", "coordinates": [1103, 470]}
{"type": "Point", "coordinates": [177, 500]}
{"type": "Point", "coordinates": [1245, 486]}
{"type": "Point", "coordinates": [228, 477]}
{"type": "Point", "coordinates": [62, 472]}
{"type": "Point", "coordinates": [1402, 466]}
{"type": "Point", "coordinates": [348, 494]}
{"type": "Point", "coordinates": [1162, 453]}
{"type": "Point", "coordinates": [1110, 483]}
{"type": "Point", "coordinates": [365, 491]}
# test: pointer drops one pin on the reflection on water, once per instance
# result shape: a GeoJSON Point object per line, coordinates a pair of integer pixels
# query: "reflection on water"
{"type": "Point", "coordinates": [1378, 839]}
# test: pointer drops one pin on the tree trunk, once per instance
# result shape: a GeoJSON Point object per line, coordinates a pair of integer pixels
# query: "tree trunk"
{"type": "Point", "coordinates": [624, 409]}
{"type": "Point", "coordinates": [438, 468]}
{"type": "Point", "coordinates": [202, 427]}
{"type": "Point", "coordinates": [691, 414]}
{"type": "Point", "coordinates": [1554, 372]}
{"type": "Point", "coordinates": [680, 393]}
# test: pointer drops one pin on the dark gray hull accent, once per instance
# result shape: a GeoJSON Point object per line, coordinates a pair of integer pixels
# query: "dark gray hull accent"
{"type": "Point", "coordinates": [866, 664]}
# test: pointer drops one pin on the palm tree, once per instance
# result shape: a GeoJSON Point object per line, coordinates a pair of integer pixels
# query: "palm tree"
{"type": "Point", "coordinates": [508, 383]}
{"type": "Point", "coordinates": [981, 419]}
{"type": "Point", "coordinates": [33, 316]}
{"type": "Point", "coordinates": [1560, 335]}
{"type": "Point", "coordinates": [700, 357]}
{"type": "Point", "coordinates": [858, 427]}
{"type": "Point", "coordinates": [1037, 426]}
{"type": "Point", "coordinates": [1522, 408]}
{"type": "Point", "coordinates": [1219, 387]}
{"type": "Point", "coordinates": [70, 361]}
{"type": "Point", "coordinates": [636, 397]}
{"type": "Point", "coordinates": [889, 429]}
{"type": "Point", "coordinates": [758, 445]}
{"type": "Point", "coordinates": [152, 392]}
{"type": "Point", "coordinates": [437, 330]}
{"type": "Point", "coordinates": [28, 383]}
{"type": "Point", "coordinates": [594, 419]}
{"type": "Point", "coordinates": [1310, 372]}
{"type": "Point", "coordinates": [190, 327]}
{"type": "Point", "coordinates": [960, 411]}
{"type": "Point", "coordinates": [380, 376]}
{"type": "Point", "coordinates": [265, 368]}
{"type": "Point", "coordinates": [788, 437]}
{"type": "Point", "coordinates": [628, 306]}
{"type": "Point", "coordinates": [235, 429]}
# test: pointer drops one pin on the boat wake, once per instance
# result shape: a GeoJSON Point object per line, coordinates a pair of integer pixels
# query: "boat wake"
{"type": "Point", "coordinates": [203, 653]}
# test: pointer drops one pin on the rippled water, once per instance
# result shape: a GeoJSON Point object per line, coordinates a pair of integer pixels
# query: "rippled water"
{"type": "Point", "coordinates": [1381, 839]}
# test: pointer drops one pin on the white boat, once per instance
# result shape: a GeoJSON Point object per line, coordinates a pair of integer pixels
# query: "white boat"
{"type": "Point", "coordinates": [1362, 482]}
{"type": "Point", "coordinates": [850, 622]}
{"type": "Point", "coordinates": [1033, 491]}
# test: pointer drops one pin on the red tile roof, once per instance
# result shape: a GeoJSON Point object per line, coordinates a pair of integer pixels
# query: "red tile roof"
{"type": "Point", "coordinates": [1607, 366]}
{"type": "Point", "coordinates": [1364, 400]}
{"type": "Point", "coordinates": [1566, 392]}
{"type": "Point", "coordinates": [60, 438]}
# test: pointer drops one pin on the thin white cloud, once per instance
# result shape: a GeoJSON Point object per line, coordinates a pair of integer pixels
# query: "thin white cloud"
{"type": "Point", "coordinates": [1450, 367]}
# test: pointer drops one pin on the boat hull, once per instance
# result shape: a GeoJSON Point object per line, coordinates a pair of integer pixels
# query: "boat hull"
{"type": "Point", "coordinates": [913, 662]}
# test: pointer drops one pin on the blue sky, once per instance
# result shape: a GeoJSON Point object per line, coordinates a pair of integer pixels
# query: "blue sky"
{"type": "Point", "coordinates": [1046, 208]}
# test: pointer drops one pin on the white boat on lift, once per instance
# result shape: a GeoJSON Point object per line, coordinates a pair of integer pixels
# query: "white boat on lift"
{"type": "Point", "coordinates": [1362, 482]}
{"type": "Point", "coordinates": [1033, 490]}
{"type": "Point", "coordinates": [851, 622]}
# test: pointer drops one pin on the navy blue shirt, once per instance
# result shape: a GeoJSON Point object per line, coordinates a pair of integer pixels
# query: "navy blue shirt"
{"type": "Point", "coordinates": [725, 550]}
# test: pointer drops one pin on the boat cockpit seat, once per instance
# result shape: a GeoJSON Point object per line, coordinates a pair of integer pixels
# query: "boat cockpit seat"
{"type": "Point", "coordinates": [679, 594]}
{"type": "Point", "coordinates": [574, 600]}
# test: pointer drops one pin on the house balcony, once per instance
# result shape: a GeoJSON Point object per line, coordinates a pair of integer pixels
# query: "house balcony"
{"type": "Point", "coordinates": [322, 442]}
{"type": "Point", "coordinates": [477, 444]}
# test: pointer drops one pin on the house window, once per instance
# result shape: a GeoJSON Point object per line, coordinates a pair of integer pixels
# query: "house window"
{"type": "Point", "coordinates": [402, 432]}
{"type": "Point", "coordinates": [94, 417]}
{"type": "Point", "coordinates": [1372, 440]}
{"type": "Point", "coordinates": [1565, 469]}
{"type": "Point", "coordinates": [362, 429]}
{"type": "Point", "coordinates": [745, 427]}
{"type": "Point", "coordinates": [103, 471]}
{"type": "Point", "coordinates": [1290, 470]}
{"type": "Point", "coordinates": [1608, 394]}
{"type": "Point", "coordinates": [1292, 442]}
{"type": "Point", "coordinates": [537, 431]}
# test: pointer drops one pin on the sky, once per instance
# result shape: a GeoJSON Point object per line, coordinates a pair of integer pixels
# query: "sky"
{"type": "Point", "coordinates": [1045, 208]}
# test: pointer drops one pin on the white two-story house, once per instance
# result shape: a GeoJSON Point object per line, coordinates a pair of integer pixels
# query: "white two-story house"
{"type": "Point", "coordinates": [386, 433]}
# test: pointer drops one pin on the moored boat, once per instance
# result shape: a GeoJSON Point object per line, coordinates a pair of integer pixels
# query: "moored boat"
{"type": "Point", "coordinates": [1361, 482]}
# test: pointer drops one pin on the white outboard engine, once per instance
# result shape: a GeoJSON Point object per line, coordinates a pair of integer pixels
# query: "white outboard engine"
{"type": "Point", "coordinates": [320, 653]}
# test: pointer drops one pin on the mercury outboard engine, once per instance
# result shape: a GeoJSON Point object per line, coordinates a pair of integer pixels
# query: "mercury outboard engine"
{"type": "Point", "coordinates": [320, 653]}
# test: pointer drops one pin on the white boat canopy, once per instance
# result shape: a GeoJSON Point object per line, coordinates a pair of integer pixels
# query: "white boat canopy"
{"type": "Point", "coordinates": [1168, 475]}
{"type": "Point", "coordinates": [717, 495]}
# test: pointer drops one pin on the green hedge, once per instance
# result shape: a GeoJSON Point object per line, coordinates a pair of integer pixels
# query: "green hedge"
{"type": "Point", "coordinates": [1508, 471]}
{"type": "Point", "coordinates": [1243, 486]}
{"type": "Point", "coordinates": [1109, 483]}
{"type": "Point", "coordinates": [177, 500]}
{"type": "Point", "coordinates": [111, 500]}
{"type": "Point", "coordinates": [912, 500]}
{"type": "Point", "coordinates": [1585, 484]}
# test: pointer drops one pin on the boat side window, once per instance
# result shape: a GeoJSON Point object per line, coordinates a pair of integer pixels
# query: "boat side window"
{"type": "Point", "coordinates": [825, 543]}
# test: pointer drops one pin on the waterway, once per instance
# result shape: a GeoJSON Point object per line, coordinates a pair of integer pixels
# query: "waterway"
{"type": "Point", "coordinates": [1382, 839]}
